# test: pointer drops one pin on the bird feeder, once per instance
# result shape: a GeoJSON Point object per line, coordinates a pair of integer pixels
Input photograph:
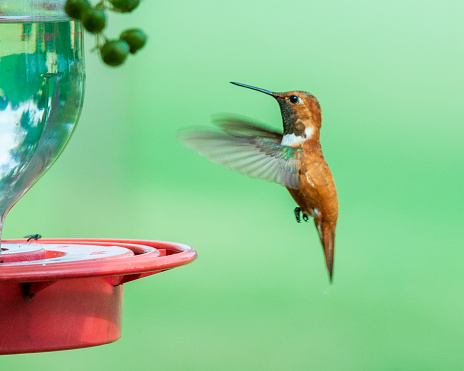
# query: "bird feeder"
{"type": "Point", "coordinates": [55, 294]}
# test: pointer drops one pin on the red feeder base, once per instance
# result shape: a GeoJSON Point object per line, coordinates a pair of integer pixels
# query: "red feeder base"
{"type": "Point", "coordinates": [67, 294]}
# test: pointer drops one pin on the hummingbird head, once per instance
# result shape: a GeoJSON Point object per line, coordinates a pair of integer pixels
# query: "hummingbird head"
{"type": "Point", "coordinates": [301, 114]}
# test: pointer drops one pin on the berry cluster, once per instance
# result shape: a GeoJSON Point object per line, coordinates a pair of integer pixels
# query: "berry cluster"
{"type": "Point", "coordinates": [113, 52]}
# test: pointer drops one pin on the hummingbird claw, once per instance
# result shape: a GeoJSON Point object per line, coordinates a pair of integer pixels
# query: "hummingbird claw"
{"type": "Point", "coordinates": [297, 212]}
{"type": "Point", "coordinates": [305, 217]}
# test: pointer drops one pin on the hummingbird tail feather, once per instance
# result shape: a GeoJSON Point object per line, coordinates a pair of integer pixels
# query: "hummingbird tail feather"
{"type": "Point", "coordinates": [327, 236]}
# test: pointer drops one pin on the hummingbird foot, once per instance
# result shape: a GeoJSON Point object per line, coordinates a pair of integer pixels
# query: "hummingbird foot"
{"type": "Point", "coordinates": [305, 217]}
{"type": "Point", "coordinates": [297, 212]}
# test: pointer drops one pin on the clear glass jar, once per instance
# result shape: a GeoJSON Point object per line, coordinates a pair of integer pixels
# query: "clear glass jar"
{"type": "Point", "coordinates": [42, 81]}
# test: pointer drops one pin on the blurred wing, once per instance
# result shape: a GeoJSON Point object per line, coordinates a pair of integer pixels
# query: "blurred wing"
{"type": "Point", "coordinates": [238, 127]}
{"type": "Point", "coordinates": [254, 156]}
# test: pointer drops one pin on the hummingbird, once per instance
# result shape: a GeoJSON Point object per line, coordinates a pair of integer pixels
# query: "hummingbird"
{"type": "Point", "coordinates": [293, 159]}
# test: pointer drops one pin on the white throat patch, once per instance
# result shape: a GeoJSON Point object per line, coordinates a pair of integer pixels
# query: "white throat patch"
{"type": "Point", "coordinates": [292, 139]}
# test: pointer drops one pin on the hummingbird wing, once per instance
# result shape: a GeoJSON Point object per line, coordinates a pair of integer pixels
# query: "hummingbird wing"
{"type": "Point", "coordinates": [252, 155]}
{"type": "Point", "coordinates": [235, 126]}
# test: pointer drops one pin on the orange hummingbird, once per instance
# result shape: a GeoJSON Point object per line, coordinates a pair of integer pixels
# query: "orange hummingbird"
{"type": "Point", "coordinates": [293, 159]}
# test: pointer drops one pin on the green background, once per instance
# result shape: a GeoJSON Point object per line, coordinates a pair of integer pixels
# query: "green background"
{"type": "Point", "coordinates": [389, 77]}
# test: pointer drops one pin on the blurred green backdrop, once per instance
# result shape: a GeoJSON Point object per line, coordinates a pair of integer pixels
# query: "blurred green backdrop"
{"type": "Point", "coordinates": [389, 76]}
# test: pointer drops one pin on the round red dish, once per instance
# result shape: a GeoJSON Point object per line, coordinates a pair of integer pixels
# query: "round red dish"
{"type": "Point", "coordinates": [58, 294]}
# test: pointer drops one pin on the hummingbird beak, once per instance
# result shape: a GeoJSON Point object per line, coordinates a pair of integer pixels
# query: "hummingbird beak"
{"type": "Point", "coordinates": [268, 92]}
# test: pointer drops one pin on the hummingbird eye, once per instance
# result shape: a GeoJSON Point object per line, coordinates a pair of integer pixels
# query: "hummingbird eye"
{"type": "Point", "coordinates": [294, 99]}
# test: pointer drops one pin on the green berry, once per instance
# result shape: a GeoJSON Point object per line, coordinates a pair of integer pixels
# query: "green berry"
{"type": "Point", "coordinates": [94, 20]}
{"type": "Point", "coordinates": [125, 6]}
{"type": "Point", "coordinates": [135, 38]}
{"type": "Point", "coordinates": [75, 8]}
{"type": "Point", "coordinates": [114, 52]}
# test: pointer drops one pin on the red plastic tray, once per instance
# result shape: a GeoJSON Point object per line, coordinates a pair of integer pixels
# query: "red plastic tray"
{"type": "Point", "coordinates": [58, 294]}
